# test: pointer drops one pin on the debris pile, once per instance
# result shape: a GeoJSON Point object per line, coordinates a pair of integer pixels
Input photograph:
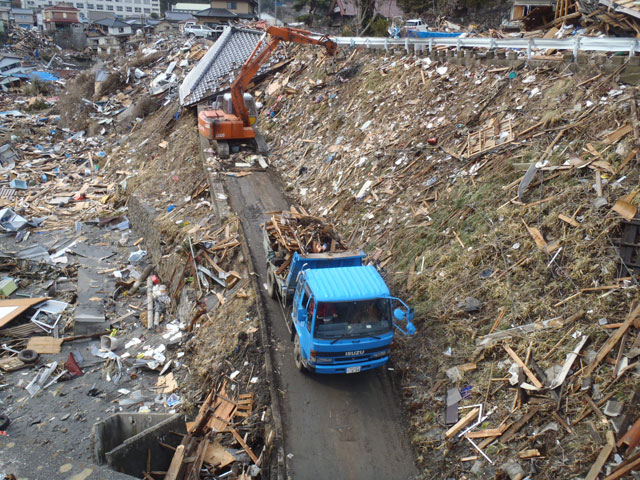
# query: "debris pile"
{"type": "Point", "coordinates": [209, 443]}
{"type": "Point", "coordinates": [119, 276]}
{"type": "Point", "coordinates": [300, 232]}
{"type": "Point", "coordinates": [502, 201]}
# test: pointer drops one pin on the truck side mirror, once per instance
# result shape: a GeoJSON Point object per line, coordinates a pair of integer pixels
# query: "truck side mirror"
{"type": "Point", "coordinates": [408, 316]}
{"type": "Point", "coordinates": [411, 329]}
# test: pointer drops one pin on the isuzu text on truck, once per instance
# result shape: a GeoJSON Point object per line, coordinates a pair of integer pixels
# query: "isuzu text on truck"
{"type": "Point", "coordinates": [339, 312]}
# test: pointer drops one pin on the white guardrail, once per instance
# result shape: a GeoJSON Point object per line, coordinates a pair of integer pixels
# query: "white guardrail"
{"type": "Point", "coordinates": [574, 44]}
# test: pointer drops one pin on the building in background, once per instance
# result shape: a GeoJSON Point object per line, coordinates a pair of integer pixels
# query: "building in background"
{"type": "Point", "coordinates": [5, 13]}
{"type": "Point", "coordinates": [60, 17]}
{"type": "Point", "coordinates": [23, 17]}
{"type": "Point", "coordinates": [123, 8]}
{"type": "Point", "coordinates": [222, 9]}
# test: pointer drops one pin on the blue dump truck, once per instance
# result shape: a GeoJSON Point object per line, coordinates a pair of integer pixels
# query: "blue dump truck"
{"type": "Point", "coordinates": [339, 311]}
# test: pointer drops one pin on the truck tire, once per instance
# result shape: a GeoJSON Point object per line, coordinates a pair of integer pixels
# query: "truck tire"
{"type": "Point", "coordinates": [271, 284]}
{"type": "Point", "coordinates": [297, 356]}
{"type": "Point", "coordinates": [4, 422]}
{"type": "Point", "coordinates": [28, 356]}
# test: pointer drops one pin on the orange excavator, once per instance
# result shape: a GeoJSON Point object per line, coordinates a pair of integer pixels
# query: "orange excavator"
{"type": "Point", "coordinates": [236, 113]}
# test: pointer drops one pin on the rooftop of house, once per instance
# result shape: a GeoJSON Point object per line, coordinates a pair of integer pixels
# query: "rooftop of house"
{"type": "Point", "coordinates": [217, 13]}
{"type": "Point", "coordinates": [111, 23]}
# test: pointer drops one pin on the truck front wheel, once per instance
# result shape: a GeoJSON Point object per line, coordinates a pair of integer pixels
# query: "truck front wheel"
{"type": "Point", "coordinates": [271, 284]}
{"type": "Point", "coordinates": [297, 355]}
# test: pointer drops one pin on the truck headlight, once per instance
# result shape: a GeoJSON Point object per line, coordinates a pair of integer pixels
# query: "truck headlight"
{"type": "Point", "coordinates": [382, 353]}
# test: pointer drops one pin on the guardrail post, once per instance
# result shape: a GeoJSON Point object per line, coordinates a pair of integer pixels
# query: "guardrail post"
{"type": "Point", "coordinates": [430, 46]}
{"type": "Point", "coordinates": [458, 43]}
{"type": "Point", "coordinates": [634, 47]}
{"type": "Point", "coordinates": [529, 48]}
{"type": "Point", "coordinates": [386, 45]}
{"type": "Point", "coordinates": [576, 49]}
{"type": "Point", "coordinates": [406, 45]}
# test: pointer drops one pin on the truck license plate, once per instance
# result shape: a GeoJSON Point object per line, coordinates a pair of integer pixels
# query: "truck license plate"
{"type": "Point", "coordinates": [353, 369]}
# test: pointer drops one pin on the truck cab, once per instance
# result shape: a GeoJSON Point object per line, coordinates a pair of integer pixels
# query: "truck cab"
{"type": "Point", "coordinates": [416, 24]}
{"type": "Point", "coordinates": [344, 319]}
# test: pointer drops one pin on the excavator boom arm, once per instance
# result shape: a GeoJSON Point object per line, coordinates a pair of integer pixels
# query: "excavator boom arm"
{"type": "Point", "coordinates": [258, 57]}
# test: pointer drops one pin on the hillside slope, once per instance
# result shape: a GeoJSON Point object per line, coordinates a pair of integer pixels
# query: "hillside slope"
{"type": "Point", "coordinates": [377, 145]}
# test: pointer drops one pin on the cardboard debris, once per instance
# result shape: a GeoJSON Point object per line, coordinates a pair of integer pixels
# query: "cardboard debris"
{"type": "Point", "coordinates": [167, 383]}
{"type": "Point", "coordinates": [45, 344]}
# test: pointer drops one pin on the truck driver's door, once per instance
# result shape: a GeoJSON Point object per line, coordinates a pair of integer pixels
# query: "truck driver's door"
{"type": "Point", "coordinates": [305, 309]}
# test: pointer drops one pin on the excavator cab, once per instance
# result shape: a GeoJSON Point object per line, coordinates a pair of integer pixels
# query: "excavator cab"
{"type": "Point", "coordinates": [224, 103]}
{"type": "Point", "coordinates": [235, 113]}
{"type": "Point", "coordinates": [223, 125]}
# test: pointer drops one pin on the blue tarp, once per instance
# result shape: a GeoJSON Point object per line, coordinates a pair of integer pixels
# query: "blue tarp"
{"type": "Point", "coordinates": [43, 76]}
{"type": "Point", "coordinates": [414, 34]}
{"type": "Point", "coordinates": [397, 32]}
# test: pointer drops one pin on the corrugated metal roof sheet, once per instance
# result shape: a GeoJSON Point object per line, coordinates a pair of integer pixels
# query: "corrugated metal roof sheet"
{"type": "Point", "coordinates": [229, 53]}
{"type": "Point", "coordinates": [346, 283]}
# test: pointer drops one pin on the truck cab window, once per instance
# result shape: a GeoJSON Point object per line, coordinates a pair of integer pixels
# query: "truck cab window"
{"type": "Point", "coordinates": [310, 309]}
{"type": "Point", "coordinates": [353, 319]}
{"type": "Point", "coordinates": [305, 300]}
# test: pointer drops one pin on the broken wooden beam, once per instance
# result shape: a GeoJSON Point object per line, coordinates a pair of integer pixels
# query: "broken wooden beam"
{"type": "Point", "coordinates": [602, 457]}
{"type": "Point", "coordinates": [462, 423]}
{"type": "Point", "coordinates": [611, 342]}
{"type": "Point", "coordinates": [522, 365]}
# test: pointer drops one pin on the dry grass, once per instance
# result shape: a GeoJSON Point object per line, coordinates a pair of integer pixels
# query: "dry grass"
{"type": "Point", "coordinates": [73, 111]}
{"type": "Point", "coordinates": [421, 229]}
{"type": "Point", "coordinates": [111, 85]}
{"type": "Point", "coordinates": [146, 106]}
{"type": "Point", "coordinates": [141, 61]}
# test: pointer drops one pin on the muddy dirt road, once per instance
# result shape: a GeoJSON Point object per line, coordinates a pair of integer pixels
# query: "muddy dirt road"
{"type": "Point", "coordinates": [337, 427]}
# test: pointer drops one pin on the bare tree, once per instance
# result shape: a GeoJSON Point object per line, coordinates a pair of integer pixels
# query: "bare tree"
{"type": "Point", "coordinates": [365, 11]}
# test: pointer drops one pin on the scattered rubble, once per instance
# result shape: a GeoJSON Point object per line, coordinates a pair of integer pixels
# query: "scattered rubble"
{"type": "Point", "coordinates": [119, 276]}
{"type": "Point", "coordinates": [477, 196]}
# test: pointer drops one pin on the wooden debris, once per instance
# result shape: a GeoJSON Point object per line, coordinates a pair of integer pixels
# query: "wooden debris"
{"type": "Point", "coordinates": [632, 437]}
{"type": "Point", "coordinates": [625, 209]}
{"type": "Point", "coordinates": [625, 467]}
{"type": "Point", "coordinates": [617, 135]}
{"type": "Point", "coordinates": [218, 456]}
{"type": "Point", "coordinates": [492, 338]}
{"type": "Point", "coordinates": [213, 427]}
{"type": "Point", "coordinates": [296, 232]}
{"type": "Point", "coordinates": [462, 423]}
{"type": "Point", "coordinates": [612, 342]}
{"type": "Point", "coordinates": [530, 453]}
{"type": "Point", "coordinates": [516, 426]}
{"type": "Point", "coordinates": [569, 220]}
{"type": "Point", "coordinates": [167, 383]}
{"type": "Point", "coordinates": [571, 357]}
{"type": "Point", "coordinates": [602, 457]}
{"type": "Point", "coordinates": [522, 365]}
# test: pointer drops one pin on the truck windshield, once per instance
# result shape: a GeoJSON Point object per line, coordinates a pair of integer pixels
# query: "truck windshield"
{"type": "Point", "coordinates": [352, 319]}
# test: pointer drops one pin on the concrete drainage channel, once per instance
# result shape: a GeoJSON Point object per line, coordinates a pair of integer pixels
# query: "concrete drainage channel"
{"type": "Point", "coordinates": [123, 441]}
{"type": "Point", "coordinates": [219, 200]}
{"type": "Point", "coordinates": [132, 442]}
